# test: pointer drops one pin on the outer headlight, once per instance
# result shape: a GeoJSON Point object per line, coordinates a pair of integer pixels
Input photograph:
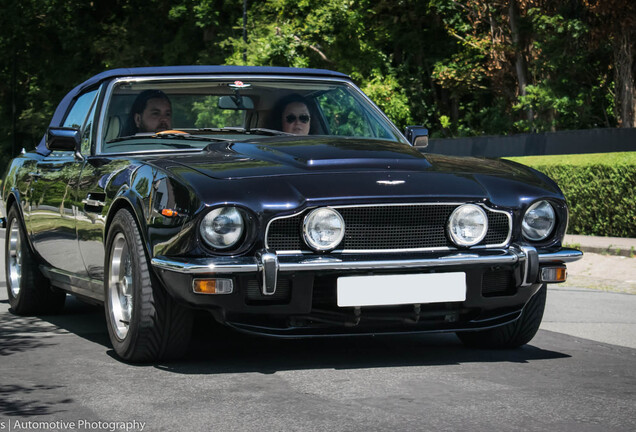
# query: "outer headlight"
{"type": "Point", "coordinates": [539, 221]}
{"type": "Point", "coordinates": [222, 228]}
{"type": "Point", "coordinates": [467, 225]}
{"type": "Point", "coordinates": [323, 229]}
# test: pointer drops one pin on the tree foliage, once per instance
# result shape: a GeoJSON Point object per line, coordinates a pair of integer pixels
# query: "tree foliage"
{"type": "Point", "coordinates": [460, 67]}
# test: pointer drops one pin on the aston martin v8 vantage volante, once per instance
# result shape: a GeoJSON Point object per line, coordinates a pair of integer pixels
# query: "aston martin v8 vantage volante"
{"type": "Point", "coordinates": [282, 201]}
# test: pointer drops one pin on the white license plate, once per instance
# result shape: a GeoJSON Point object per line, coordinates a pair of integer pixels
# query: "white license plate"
{"type": "Point", "coordinates": [381, 290]}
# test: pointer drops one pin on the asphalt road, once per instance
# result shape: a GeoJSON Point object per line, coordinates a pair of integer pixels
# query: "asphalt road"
{"type": "Point", "coordinates": [60, 373]}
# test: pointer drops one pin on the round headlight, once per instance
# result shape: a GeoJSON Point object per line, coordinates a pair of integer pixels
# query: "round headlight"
{"type": "Point", "coordinates": [222, 228]}
{"type": "Point", "coordinates": [323, 229]}
{"type": "Point", "coordinates": [467, 225]}
{"type": "Point", "coordinates": [539, 221]}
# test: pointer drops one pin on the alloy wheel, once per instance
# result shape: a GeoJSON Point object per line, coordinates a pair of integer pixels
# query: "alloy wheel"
{"type": "Point", "coordinates": [120, 286]}
{"type": "Point", "coordinates": [15, 257]}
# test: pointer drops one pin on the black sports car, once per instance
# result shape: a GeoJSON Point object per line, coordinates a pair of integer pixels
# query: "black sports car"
{"type": "Point", "coordinates": [282, 201]}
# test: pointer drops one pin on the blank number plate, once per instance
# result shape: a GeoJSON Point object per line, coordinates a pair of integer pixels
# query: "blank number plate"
{"type": "Point", "coordinates": [384, 290]}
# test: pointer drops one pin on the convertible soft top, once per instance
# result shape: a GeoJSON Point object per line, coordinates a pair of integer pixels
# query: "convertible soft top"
{"type": "Point", "coordinates": [64, 105]}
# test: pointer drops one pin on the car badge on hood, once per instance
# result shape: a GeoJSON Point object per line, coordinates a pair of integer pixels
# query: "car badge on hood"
{"type": "Point", "coordinates": [390, 182]}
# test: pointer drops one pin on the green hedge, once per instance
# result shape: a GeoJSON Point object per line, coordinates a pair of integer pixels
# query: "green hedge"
{"type": "Point", "coordinates": [600, 190]}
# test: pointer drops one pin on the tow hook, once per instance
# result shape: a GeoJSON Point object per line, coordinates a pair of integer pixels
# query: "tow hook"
{"type": "Point", "coordinates": [357, 312]}
{"type": "Point", "coordinates": [417, 309]}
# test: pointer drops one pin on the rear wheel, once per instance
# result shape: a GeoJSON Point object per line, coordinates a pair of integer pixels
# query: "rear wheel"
{"type": "Point", "coordinates": [144, 323]}
{"type": "Point", "coordinates": [28, 290]}
{"type": "Point", "coordinates": [511, 335]}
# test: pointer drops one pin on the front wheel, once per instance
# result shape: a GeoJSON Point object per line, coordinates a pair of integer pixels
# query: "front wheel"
{"type": "Point", "coordinates": [144, 323]}
{"type": "Point", "coordinates": [511, 335]}
{"type": "Point", "coordinates": [28, 290]}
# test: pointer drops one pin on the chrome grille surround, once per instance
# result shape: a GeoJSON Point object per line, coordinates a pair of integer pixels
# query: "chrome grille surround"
{"type": "Point", "coordinates": [413, 227]}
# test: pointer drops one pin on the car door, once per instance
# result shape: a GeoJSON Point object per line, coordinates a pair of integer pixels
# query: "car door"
{"type": "Point", "coordinates": [92, 203]}
{"type": "Point", "coordinates": [53, 207]}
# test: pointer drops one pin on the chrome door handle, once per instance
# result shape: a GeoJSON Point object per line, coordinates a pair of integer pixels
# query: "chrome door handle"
{"type": "Point", "coordinates": [93, 202]}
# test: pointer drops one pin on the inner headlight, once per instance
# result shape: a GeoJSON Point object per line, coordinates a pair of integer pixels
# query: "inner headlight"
{"type": "Point", "coordinates": [539, 221]}
{"type": "Point", "coordinates": [467, 225]}
{"type": "Point", "coordinates": [323, 229]}
{"type": "Point", "coordinates": [222, 228]}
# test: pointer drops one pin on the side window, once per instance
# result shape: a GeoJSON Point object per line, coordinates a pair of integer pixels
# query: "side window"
{"type": "Point", "coordinates": [346, 116]}
{"type": "Point", "coordinates": [343, 114]}
{"type": "Point", "coordinates": [87, 133]}
{"type": "Point", "coordinates": [77, 116]}
{"type": "Point", "coordinates": [81, 117]}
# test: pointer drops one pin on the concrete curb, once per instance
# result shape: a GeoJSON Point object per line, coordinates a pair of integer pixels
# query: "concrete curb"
{"type": "Point", "coordinates": [602, 245]}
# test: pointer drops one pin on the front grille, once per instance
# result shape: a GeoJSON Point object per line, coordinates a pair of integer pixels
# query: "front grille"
{"type": "Point", "coordinates": [387, 227]}
{"type": "Point", "coordinates": [397, 227]}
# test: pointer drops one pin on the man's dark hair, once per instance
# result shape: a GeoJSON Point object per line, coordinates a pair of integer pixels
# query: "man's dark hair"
{"type": "Point", "coordinates": [138, 107]}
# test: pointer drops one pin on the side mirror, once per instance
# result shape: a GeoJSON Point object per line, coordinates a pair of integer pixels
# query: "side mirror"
{"type": "Point", "coordinates": [63, 139]}
{"type": "Point", "coordinates": [417, 136]}
{"type": "Point", "coordinates": [236, 102]}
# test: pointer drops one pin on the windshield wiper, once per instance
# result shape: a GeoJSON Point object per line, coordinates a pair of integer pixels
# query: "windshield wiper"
{"type": "Point", "coordinates": [265, 131]}
{"type": "Point", "coordinates": [240, 130]}
{"type": "Point", "coordinates": [179, 136]}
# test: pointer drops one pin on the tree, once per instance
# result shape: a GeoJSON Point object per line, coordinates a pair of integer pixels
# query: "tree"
{"type": "Point", "coordinates": [615, 20]}
{"type": "Point", "coordinates": [531, 61]}
{"type": "Point", "coordinates": [461, 67]}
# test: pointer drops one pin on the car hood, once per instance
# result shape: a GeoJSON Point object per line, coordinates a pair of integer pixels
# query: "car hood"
{"type": "Point", "coordinates": [345, 167]}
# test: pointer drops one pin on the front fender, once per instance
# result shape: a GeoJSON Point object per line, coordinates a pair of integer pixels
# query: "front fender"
{"type": "Point", "coordinates": [15, 175]}
{"type": "Point", "coordinates": [124, 191]}
{"type": "Point", "coordinates": [146, 193]}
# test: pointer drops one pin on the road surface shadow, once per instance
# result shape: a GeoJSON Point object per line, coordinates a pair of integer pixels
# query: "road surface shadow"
{"type": "Point", "coordinates": [20, 334]}
{"type": "Point", "coordinates": [215, 349]}
{"type": "Point", "coordinates": [226, 351]}
{"type": "Point", "coordinates": [14, 400]}
{"type": "Point", "coordinates": [83, 319]}
{"type": "Point", "coordinates": [23, 333]}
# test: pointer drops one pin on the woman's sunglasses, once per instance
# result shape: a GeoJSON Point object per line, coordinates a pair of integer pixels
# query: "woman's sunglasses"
{"type": "Point", "coordinates": [304, 118]}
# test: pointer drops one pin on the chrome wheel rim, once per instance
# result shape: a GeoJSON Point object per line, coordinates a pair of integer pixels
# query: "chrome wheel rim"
{"type": "Point", "coordinates": [120, 286]}
{"type": "Point", "coordinates": [14, 258]}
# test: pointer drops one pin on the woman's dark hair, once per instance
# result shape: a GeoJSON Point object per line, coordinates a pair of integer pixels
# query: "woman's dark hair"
{"type": "Point", "coordinates": [138, 106]}
{"type": "Point", "coordinates": [277, 113]}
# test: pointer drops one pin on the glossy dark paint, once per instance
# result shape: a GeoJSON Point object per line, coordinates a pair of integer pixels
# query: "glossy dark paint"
{"type": "Point", "coordinates": [279, 178]}
{"type": "Point", "coordinates": [67, 203]}
{"type": "Point", "coordinates": [270, 178]}
{"type": "Point", "coordinates": [266, 177]}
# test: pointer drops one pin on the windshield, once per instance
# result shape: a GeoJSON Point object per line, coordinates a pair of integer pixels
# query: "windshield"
{"type": "Point", "coordinates": [162, 114]}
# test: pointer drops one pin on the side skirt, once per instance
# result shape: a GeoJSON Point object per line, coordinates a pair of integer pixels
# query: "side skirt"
{"type": "Point", "coordinates": [73, 284]}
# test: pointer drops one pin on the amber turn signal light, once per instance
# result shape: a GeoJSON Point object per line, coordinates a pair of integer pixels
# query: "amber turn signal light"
{"type": "Point", "coordinates": [213, 286]}
{"type": "Point", "coordinates": [169, 213]}
{"type": "Point", "coordinates": [554, 274]}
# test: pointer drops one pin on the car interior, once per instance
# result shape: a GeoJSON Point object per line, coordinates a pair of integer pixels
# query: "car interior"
{"type": "Point", "coordinates": [206, 105]}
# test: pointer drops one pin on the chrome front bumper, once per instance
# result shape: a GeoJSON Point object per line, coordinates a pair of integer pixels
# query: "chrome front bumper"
{"type": "Point", "coordinates": [268, 264]}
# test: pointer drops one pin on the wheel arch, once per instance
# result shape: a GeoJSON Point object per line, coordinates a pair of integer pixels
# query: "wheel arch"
{"type": "Point", "coordinates": [13, 199]}
{"type": "Point", "coordinates": [133, 204]}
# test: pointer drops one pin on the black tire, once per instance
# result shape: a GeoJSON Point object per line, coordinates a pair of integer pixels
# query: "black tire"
{"type": "Point", "coordinates": [153, 327]}
{"type": "Point", "coordinates": [28, 290]}
{"type": "Point", "coordinates": [511, 335]}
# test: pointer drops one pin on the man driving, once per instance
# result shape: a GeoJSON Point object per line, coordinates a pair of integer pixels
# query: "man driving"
{"type": "Point", "coordinates": [151, 112]}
